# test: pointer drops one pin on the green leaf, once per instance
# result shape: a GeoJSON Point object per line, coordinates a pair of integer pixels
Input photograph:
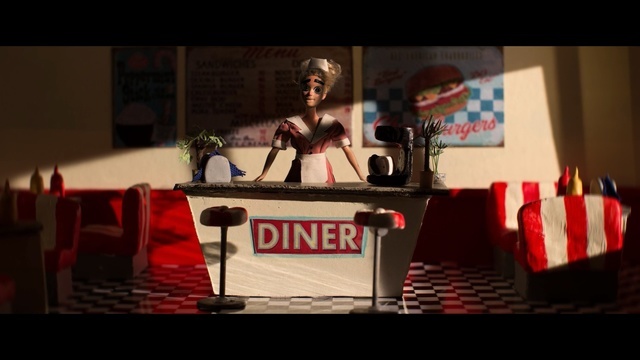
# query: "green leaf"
{"type": "Point", "coordinates": [203, 139]}
{"type": "Point", "coordinates": [185, 157]}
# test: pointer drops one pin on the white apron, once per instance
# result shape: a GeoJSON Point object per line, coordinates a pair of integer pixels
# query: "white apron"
{"type": "Point", "coordinates": [313, 168]}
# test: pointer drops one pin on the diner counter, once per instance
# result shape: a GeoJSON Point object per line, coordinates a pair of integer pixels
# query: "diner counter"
{"type": "Point", "coordinates": [301, 240]}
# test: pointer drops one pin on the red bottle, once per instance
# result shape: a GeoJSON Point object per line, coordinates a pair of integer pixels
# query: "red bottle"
{"type": "Point", "coordinates": [57, 183]}
{"type": "Point", "coordinates": [563, 181]}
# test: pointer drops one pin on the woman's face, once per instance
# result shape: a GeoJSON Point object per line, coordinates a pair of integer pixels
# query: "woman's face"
{"type": "Point", "coordinates": [312, 91]}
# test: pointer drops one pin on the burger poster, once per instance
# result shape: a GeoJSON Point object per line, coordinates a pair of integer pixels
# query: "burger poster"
{"type": "Point", "coordinates": [463, 85]}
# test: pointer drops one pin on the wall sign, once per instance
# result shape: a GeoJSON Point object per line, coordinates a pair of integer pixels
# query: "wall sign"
{"type": "Point", "coordinates": [245, 92]}
{"type": "Point", "coordinates": [463, 85]}
{"type": "Point", "coordinates": [144, 97]}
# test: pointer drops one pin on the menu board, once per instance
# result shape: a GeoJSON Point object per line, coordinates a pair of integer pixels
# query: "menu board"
{"type": "Point", "coordinates": [244, 92]}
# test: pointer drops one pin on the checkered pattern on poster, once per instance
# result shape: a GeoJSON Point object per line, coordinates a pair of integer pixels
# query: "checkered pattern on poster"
{"type": "Point", "coordinates": [386, 101]}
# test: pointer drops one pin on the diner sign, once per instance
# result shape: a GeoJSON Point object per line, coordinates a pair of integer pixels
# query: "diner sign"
{"type": "Point", "coordinates": [307, 237]}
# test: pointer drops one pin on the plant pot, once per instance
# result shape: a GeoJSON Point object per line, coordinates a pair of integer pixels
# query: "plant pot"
{"type": "Point", "coordinates": [426, 179]}
{"type": "Point", "coordinates": [439, 179]}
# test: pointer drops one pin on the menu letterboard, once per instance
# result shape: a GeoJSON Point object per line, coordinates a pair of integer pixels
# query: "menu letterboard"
{"type": "Point", "coordinates": [243, 93]}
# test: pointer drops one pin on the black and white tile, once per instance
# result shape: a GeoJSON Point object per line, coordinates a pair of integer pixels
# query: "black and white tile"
{"type": "Point", "coordinates": [444, 288]}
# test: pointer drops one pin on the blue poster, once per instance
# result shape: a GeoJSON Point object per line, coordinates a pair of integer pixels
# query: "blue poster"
{"type": "Point", "coordinates": [463, 85]}
{"type": "Point", "coordinates": [144, 97]}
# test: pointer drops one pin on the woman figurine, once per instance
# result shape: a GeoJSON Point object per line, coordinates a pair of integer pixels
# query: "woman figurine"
{"type": "Point", "coordinates": [311, 134]}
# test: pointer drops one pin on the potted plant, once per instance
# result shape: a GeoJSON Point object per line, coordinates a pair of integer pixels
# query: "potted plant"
{"type": "Point", "coordinates": [432, 128]}
{"type": "Point", "coordinates": [201, 141]}
{"type": "Point", "coordinates": [436, 148]}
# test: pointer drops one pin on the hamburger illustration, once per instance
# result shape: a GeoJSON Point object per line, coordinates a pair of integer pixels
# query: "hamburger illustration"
{"type": "Point", "coordinates": [437, 90]}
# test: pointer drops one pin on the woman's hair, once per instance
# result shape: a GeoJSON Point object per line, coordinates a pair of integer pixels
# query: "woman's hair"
{"type": "Point", "coordinates": [326, 69]}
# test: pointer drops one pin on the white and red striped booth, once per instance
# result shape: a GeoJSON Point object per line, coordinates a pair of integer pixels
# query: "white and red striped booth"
{"type": "Point", "coordinates": [60, 218]}
{"type": "Point", "coordinates": [503, 202]}
{"type": "Point", "coordinates": [574, 242]}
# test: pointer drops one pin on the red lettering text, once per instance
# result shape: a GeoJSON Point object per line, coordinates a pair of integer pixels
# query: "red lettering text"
{"type": "Point", "coordinates": [306, 237]}
{"type": "Point", "coordinates": [387, 76]}
{"type": "Point", "coordinates": [463, 130]}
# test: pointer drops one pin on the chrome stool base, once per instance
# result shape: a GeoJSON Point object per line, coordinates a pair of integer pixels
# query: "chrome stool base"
{"type": "Point", "coordinates": [371, 310]}
{"type": "Point", "coordinates": [217, 303]}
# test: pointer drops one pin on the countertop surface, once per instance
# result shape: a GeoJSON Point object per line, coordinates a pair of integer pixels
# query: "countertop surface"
{"type": "Point", "coordinates": [279, 187]}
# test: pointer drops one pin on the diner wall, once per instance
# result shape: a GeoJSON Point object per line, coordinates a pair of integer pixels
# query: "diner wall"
{"type": "Point", "coordinates": [563, 106]}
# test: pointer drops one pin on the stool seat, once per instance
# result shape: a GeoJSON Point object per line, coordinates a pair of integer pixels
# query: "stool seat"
{"type": "Point", "coordinates": [380, 218]}
{"type": "Point", "coordinates": [381, 221]}
{"type": "Point", "coordinates": [222, 217]}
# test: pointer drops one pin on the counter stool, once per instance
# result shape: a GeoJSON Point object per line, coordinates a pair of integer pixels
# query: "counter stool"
{"type": "Point", "coordinates": [222, 217]}
{"type": "Point", "coordinates": [381, 221]}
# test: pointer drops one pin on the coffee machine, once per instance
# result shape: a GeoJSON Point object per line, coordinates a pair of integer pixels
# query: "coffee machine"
{"type": "Point", "coordinates": [383, 170]}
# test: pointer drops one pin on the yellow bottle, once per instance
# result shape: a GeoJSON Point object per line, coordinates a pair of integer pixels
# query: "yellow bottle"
{"type": "Point", "coordinates": [37, 182]}
{"type": "Point", "coordinates": [574, 187]}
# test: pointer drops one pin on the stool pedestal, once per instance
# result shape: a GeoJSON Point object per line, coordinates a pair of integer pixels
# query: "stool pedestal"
{"type": "Point", "coordinates": [380, 221]}
{"type": "Point", "coordinates": [223, 217]}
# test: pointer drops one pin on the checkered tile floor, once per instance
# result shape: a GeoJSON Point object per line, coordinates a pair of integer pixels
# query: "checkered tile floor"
{"type": "Point", "coordinates": [429, 289]}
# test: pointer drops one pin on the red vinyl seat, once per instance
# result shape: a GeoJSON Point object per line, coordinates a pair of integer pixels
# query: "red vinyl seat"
{"type": "Point", "coordinates": [569, 248]}
{"type": "Point", "coordinates": [116, 249]}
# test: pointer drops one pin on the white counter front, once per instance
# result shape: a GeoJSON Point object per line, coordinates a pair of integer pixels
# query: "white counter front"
{"type": "Point", "coordinates": [300, 239]}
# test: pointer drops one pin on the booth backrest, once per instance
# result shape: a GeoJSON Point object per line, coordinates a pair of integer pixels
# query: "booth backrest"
{"type": "Point", "coordinates": [146, 192]}
{"type": "Point", "coordinates": [60, 218]}
{"type": "Point", "coordinates": [578, 232]}
{"type": "Point", "coordinates": [136, 212]}
{"type": "Point", "coordinates": [116, 225]}
{"type": "Point", "coordinates": [503, 202]}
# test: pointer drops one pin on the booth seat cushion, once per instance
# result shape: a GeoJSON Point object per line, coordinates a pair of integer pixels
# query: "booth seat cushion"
{"type": "Point", "coordinates": [572, 232]}
{"type": "Point", "coordinates": [104, 239]}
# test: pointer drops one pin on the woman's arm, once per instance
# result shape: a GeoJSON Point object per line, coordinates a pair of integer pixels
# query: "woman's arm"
{"type": "Point", "coordinates": [267, 164]}
{"type": "Point", "coordinates": [353, 161]}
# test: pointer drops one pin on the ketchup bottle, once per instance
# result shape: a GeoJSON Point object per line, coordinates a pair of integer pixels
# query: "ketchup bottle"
{"type": "Point", "coordinates": [563, 181]}
{"type": "Point", "coordinates": [57, 183]}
